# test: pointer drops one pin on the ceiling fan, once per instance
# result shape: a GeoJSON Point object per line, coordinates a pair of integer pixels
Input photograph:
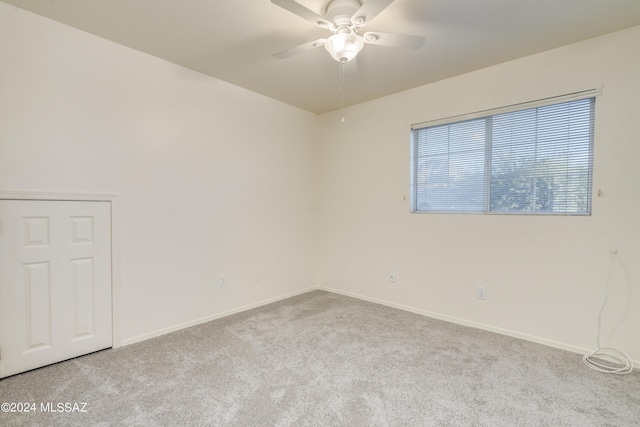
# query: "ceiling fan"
{"type": "Point", "coordinates": [344, 18]}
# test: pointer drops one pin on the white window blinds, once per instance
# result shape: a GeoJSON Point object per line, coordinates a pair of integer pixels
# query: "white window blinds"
{"type": "Point", "coordinates": [532, 160]}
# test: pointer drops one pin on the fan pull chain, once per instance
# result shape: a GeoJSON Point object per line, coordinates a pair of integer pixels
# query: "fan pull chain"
{"type": "Point", "coordinates": [341, 92]}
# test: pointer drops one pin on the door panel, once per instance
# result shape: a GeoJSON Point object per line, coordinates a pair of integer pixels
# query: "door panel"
{"type": "Point", "coordinates": [36, 279]}
{"type": "Point", "coordinates": [55, 282]}
{"type": "Point", "coordinates": [83, 285]}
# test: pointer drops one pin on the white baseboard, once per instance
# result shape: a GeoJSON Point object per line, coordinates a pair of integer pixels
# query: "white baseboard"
{"type": "Point", "coordinates": [434, 315]}
{"type": "Point", "coordinates": [205, 319]}
{"type": "Point", "coordinates": [463, 322]}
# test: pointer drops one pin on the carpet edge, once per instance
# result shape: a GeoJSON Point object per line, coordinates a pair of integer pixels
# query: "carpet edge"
{"type": "Point", "coordinates": [209, 318]}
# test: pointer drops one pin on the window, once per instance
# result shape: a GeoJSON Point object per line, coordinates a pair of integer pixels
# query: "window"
{"type": "Point", "coordinates": [520, 160]}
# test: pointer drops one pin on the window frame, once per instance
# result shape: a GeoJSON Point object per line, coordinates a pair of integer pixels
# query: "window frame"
{"type": "Point", "coordinates": [485, 114]}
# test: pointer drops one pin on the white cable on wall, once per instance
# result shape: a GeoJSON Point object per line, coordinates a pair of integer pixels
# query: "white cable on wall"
{"type": "Point", "coordinates": [622, 363]}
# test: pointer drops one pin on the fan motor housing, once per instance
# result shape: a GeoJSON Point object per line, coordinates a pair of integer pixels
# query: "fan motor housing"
{"type": "Point", "coordinates": [340, 11]}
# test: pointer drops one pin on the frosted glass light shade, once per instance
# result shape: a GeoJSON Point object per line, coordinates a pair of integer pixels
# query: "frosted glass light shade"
{"type": "Point", "coordinates": [343, 47]}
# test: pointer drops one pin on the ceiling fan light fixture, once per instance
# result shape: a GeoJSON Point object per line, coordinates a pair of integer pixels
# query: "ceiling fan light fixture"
{"type": "Point", "coordinates": [345, 46]}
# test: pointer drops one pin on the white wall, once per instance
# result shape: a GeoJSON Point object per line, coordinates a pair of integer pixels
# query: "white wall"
{"type": "Point", "coordinates": [545, 276]}
{"type": "Point", "coordinates": [212, 179]}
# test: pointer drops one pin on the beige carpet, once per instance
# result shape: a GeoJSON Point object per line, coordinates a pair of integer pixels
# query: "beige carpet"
{"type": "Point", "coordinates": [322, 359]}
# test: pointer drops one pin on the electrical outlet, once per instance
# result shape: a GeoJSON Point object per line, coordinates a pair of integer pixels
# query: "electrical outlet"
{"type": "Point", "coordinates": [223, 281]}
{"type": "Point", "coordinates": [392, 277]}
{"type": "Point", "coordinates": [482, 293]}
{"type": "Point", "coordinates": [256, 277]}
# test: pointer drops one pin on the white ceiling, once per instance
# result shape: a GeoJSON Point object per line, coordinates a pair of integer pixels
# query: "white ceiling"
{"type": "Point", "coordinates": [234, 40]}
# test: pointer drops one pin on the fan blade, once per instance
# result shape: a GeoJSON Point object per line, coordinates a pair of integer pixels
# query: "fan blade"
{"type": "Point", "coordinates": [304, 13]}
{"type": "Point", "coordinates": [369, 10]}
{"type": "Point", "coordinates": [299, 49]}
{"type": "Point", "coordinates": [394, 40]}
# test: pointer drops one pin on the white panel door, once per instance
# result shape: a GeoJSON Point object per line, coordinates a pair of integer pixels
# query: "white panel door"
{"type": "Point", "coordinates": [55, 282]}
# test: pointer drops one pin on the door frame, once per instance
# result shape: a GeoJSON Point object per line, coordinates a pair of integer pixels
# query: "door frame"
{"type": "Point", "coordinates": [112, 198]}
